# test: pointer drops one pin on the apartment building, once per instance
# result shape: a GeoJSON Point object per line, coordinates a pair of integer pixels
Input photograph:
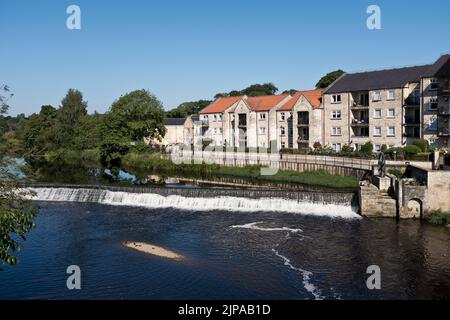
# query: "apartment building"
{"type": "Point", "coordinates": [391, 107]}
{"type": "Point", "coordinates": [252, 122]}
{"type": "Point", "coordinates": [214, 119]}
{"type": "Point", "coordinates": [299, 120]}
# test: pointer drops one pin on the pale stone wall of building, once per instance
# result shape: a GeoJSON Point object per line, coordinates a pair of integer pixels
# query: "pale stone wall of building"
{"type": "Point", "coordinates": [330, 123]}
{"type": "Point", "coordinates": [285, 140]}
{"type": "Point", "coordinates": [316, 125]}
{"type": "Point", "coordinates": [174, 135]}
{"type": "Point", "coordinates": [429, 115]}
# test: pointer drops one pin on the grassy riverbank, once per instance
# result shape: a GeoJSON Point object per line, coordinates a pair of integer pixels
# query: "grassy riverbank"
{"type": "Point", "coordinates": [153, 163]}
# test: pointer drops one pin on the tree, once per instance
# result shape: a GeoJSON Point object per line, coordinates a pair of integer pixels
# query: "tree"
{"type": "Point", "coordinates": [187, 108]}
{"type": "Point", "coordinates": [70, 115]}
{"type": "Point", "coordinates": [135, 116]}
{"type": "Point", "coordinates": [255, 90]}
{"type": "Point", "coordinates": [16, 213]}
{"type": "Point", "coordinates": [328, 79]}
{"type": "Point", "coordinates": [367, 148]}
{"type": "Point", "coordinates": [290, 91]}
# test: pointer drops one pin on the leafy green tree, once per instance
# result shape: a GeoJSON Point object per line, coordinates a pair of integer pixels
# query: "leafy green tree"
{"type": "Point", "coordinates": [422, 144]}
{"type": "Point", "coordinates": [70, 115]}
{"type": "Point", "coordinates": [187, 108]}
{"type": "Point", "coordinates": [367, 148]}
{"type": "Point", "coordinates": [255, 90]}
{"type": "Point", "coordinates": [290, 91]}
{"type": "Point", "coordinates": [135, 116]}
{"type": "Point", "coordinates": [16, 213]}
{"type": "Point", "coordinates": [328, 79]}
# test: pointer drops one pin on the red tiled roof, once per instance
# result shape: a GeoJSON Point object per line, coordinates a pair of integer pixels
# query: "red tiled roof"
{"type": "Point", "coordinates": [313, 96]}
{"type": "Point", "coordinates": [265, 103]}
{"type": "Point", "coordinates": [220, 105]}
{"type": "Point", "coordinates": [291, 102]}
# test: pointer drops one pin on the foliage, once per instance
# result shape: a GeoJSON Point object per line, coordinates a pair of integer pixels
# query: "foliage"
{"type": "Point", "coordinates": [439, 217]}
{"type": "Point", "coordinates": [328, 79]}
{"type": "Point", "coordinates": [411, 149]}
{"type": "Point", "coordinates": [367, 148]}
{"type": "Point", "coordinates": [187, 108]}
{"type": "Point", "coordinates": [136, 115]}
{"type": "Point", "coordinates": [396, 172]}
{"type": "Point", "coordinates": [254, 90]}
{"type": "Point", "coordinates": [422, 144]}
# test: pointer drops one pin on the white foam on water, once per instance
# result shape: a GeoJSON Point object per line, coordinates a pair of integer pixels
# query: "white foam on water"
{"type": "Point", "coordinates": [253, 226]}
{"type": "Point", "coordinates": [150, 200]}
{"type": "Point", "coordinates": [306, 275]}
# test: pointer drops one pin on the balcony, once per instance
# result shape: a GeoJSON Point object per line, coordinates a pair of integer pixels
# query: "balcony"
{"type": "Point", "coordinates": [364, 122]}
{"type": "Point", "coordinates": [360, 105]}
{"type": "Point", "coordinates": [412, 101]}
{"type": "Point", "coordinates": [443, 132]}
{"type": "Point", "coordinates": [444, 110]}
{"type": "Point", "coordinates": [443, 91]}
{"type": "Point", "coordinates": [411, 122]}
{"type": "Point", "coordinates": [302, 139]}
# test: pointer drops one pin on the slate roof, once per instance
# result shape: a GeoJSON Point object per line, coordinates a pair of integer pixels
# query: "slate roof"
{"type": "Point", "coordinates": [390, 78]}
{"type": "Point", "coordinates": [174, 121]}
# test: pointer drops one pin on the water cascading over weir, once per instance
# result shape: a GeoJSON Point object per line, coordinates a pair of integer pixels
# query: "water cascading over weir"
{"type": "Point", "coordinates": [339, 204]}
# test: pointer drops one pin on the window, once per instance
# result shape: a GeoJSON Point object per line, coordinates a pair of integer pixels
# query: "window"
{"type": "Point", "coordinates": [377, 148]}
{"type": "Point", "coordinates": [336, 98]}
{"type": "Point", "coordinates": [391, 95]}
{"type": "Point", "coordinates": [336, 115]}
{"type": "Point", "coordinates": [391, 132]}
{"type": "Point", "coordinates": [336, 131]}
{"type": "Point", "coordinates": [377, 113]}
{"type": "Point", "coordinates": [433, 103]}
{"type": "Point", "coordinates": [219, 117]}
{"type": "Point", "coordinates": [433, 84]}
{"type": "Point", "coordinates": [215, 117]}
{"type": "Point", "coordinates": [432, 123]}
{"type": "Point", "coordinates": [262, 116]}
{"type": "Point", "coordinates": [377, 95]}
{"type": "Point", "coordinates": [219, 130]}
{"type": "Point", "coordinates": [391, 113]}
{"type": "Point", "coordinates": [283, 145]}
{"type": "Point", "coordinates": [282, 116]}
{"type": "Point", "coordinates": [337, 147]}
{"type": "Point", "coordinates": [377, 132]}
{"type": "Point", "coordinates": [282, 131]}
{"type": "Point", "coordinates": [262, 130]}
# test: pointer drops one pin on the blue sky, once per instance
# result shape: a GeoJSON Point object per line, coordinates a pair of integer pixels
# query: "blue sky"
{"type": "Point", "coordinates": [183, 50]}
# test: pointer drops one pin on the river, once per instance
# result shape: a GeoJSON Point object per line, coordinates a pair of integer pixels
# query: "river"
{"type": "Point", "coordinates": [320, 251]}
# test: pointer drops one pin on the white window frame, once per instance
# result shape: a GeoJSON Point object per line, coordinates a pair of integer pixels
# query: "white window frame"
{"type": "Point", "coordinates": [375, 134]}
{"type": "Point", "coordinates": [393, 114]}
{"type": "Point", "coordinates": [337, 147]}
{"type": "Point", "coordinates": [262, 116]}
{"type": "Point", "coordinates": [335, 113]}
{"type": "Point", "coordinates": [434, 82]}
{"type": "Point", "coordinates": [336, 131]}
{"type": "Point", "coordinates": [262, 130]}
{"type": "Point", "coordinates": [377, 147]}
{"type": "Point", "coordinates": [433, 101]}
{"type": "Point", "coordinates": [375, 114]}
{"type": "Point", "coordinates": [389, 134]}
{"type": "Point", "coordinates": [282, 131]}
{"type": "Point", "coordinates": [389, 97]}
{"type": "Point", "coordinates": [376, 95]}
{"type": "Point", "coordinates": [334, 98]}
{"type": "Point", "coordinates": [282, 116]}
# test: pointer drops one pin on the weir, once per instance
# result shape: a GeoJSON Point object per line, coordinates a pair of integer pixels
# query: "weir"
{"type": "Point", "coordinates": [202, 199]}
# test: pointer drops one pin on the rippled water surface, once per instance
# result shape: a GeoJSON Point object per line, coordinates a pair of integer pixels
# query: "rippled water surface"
{"type": "Point", "coordinates": [230, 255]}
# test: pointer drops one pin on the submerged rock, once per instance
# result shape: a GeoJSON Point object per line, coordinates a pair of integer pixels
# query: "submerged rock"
{"type": "Point", "coordinates": [153, 250]}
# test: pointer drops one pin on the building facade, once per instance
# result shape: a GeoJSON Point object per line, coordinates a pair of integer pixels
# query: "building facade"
{"type": "Point", "coordinates": [389, 107]}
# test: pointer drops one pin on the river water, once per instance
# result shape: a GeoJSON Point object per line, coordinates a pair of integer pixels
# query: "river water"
{"type": "Point", "coordinates": [321, 253]}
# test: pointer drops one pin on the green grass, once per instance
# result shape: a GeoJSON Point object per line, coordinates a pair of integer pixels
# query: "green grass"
{"type": "Point", "coordinates": [439, 217]}
{"type": "Point", "coordinates": [153, 163]}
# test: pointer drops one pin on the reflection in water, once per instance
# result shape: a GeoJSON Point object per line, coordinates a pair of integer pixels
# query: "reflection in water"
{"type": "Point", "coordinates": [283, 256]}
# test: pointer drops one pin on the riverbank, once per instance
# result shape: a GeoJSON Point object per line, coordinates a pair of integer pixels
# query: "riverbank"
{"type": "Point", "coordinates": [153, 163]}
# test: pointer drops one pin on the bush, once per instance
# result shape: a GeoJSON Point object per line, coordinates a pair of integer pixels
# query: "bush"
{"type": "Point", "coordinates": [422, 144]}
{"type": "Point", "coordinates": [396, 172]}
{"type": "Point", "coordinates": [439, 217]}
{"type": "Point", "coordinates": [367, 148]}
{"type": "Point", "coordinates": [384, 148]}
{"type": "Point", "coordinates": [411, 150]}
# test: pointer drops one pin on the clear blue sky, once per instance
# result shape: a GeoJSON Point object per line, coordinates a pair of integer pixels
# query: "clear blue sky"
{"type": "Point", "coordinates": [183, 50]}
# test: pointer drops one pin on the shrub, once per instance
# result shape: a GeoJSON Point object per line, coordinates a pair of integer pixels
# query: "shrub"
{"type": "Point", "coordinates": [439, 217]}
{"type": "Point", "coordinates": [411, 150]}
{"type": "Point", "coordinates": [317, 145]}
{"type": "Point", "coordinates": [396, 172]}
{"type": "Point", "coordinates": [422, 144]}
{"type": "Point", "coordinates": [384, 148]}
{"type": "Point", "coordinates": [367, 148]}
